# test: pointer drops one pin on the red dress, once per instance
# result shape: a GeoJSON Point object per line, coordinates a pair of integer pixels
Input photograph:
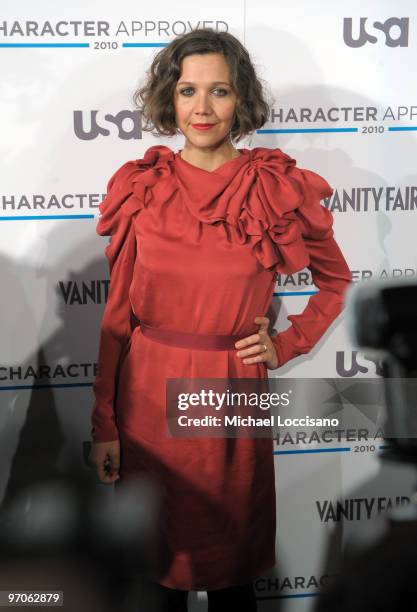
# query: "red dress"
{"type": "Point", "coordinates": [197, 251]}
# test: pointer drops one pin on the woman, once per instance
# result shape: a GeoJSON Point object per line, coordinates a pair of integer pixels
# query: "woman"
{"type": "Point", "coordinates": [197, 239]}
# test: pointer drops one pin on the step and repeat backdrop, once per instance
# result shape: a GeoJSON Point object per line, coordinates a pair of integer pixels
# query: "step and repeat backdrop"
{"type": "Point", "coordinates": [345, 106]}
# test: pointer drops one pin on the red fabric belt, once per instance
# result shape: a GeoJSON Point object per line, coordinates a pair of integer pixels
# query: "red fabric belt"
{"type": "Point", "coordinates": [204, 342]}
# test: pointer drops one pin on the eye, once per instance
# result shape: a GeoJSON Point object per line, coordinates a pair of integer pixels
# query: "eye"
{"type": "Point", "coordinates": [223, 92]}
{"type": "Point", "coordinates": [184, 91]}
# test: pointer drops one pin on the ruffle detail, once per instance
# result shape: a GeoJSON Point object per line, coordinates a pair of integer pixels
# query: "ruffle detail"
{"type": "Point", "coordinates": [128, 192]}
{"type": "Point", "coordinates": [264, 199]}
{"type": "Point", "coordinates": [261, 198]}
{"type": "Point", "coordinates": [282, 210]}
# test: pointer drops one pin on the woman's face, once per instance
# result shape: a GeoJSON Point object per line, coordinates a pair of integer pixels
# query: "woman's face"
{"type": "Point", "coordinates": [204, 95]}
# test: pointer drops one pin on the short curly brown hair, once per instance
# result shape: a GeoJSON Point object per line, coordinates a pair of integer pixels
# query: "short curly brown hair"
{"type": "Point", "coordinates": [155, 99]}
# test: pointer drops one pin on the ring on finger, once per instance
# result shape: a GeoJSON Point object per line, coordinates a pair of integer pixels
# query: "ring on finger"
{"type": "Point", "coordinates": [265, 348]}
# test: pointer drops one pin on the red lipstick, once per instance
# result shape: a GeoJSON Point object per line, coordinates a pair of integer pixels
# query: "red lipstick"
{"type": "Point", "coordinates": [202, 126]}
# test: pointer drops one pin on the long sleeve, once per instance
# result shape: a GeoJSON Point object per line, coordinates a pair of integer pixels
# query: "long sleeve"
{"type": "Point", "coordinates": [115, 328]}
{"type": "Point", "coordinates": [330, 271]}
{"type": "Point", "coordinates": [127, 194]}
{"type": "Point", "coordinates": [331, 276]}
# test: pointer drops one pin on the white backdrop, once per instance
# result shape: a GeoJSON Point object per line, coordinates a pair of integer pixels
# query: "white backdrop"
{"type": "Point", "coordinates": [345, 106]}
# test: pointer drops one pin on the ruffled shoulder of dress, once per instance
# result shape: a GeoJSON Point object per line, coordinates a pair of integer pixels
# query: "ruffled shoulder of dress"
{"type": "Point", "coordinates": [129, 188]}
{"type": "Point", "coordinates": [282, 209]}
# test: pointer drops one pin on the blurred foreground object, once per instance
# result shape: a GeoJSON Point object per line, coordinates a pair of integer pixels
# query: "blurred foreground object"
{"type": "Point", "coordinates": [382, 319]}
{"type": "Point", "coordinates": [377, 567]}
{"type": "Point", "coordinates": [62, 535]}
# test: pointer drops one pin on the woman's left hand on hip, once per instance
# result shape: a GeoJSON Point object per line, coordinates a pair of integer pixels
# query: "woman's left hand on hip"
{"type": "Point", "coordinates": [258, 347]}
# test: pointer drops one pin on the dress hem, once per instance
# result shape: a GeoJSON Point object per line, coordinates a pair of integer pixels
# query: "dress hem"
{"type": "Point", "coordinates": [239, 580]}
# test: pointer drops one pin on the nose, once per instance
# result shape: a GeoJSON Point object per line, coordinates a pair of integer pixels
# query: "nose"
{"type": "Point", "coordinates": [202, 104]}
